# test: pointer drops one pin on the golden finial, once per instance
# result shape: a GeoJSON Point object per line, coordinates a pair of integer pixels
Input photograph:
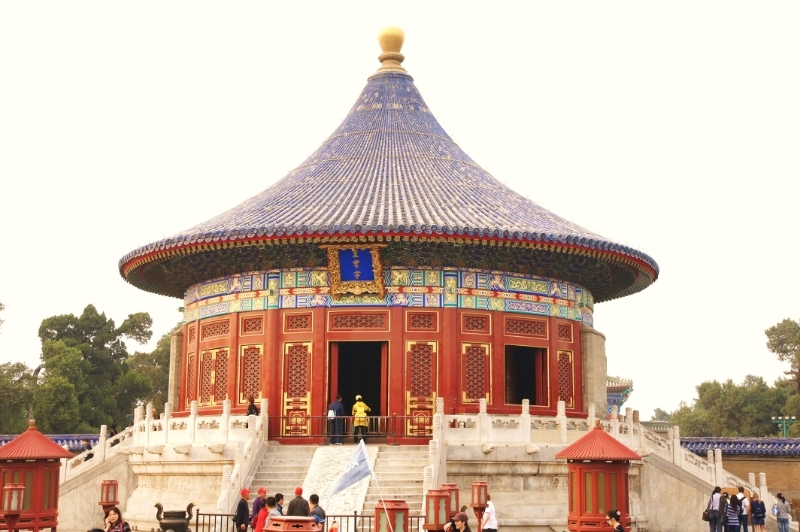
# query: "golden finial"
{"type": "Point", "coordinates": [391, 41]}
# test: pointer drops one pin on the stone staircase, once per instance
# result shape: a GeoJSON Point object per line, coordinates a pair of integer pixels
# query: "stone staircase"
{"type": "Point", "coordinates": [282, 469]}
{"type": "Point", "coordinates": [399, 472]}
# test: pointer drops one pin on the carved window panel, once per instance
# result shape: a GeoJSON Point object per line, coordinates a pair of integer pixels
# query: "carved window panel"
{"type": "Point", "coordinates": [564, 332]}
{"type": "Point", "coordinates": [476, 382]}
{"type": "Point", "coordinates": [566, 375]}
{"type": "Point", "coordinates": [298, 367]}
{"type": "Point", "coordinates": [252, 325]}
{"type": "Point", "coordinates": [422, 321]}
{"type": "Point", "coordinates": [192, 334]}
{"type": "Point", "coordinates": [216, 329]}
{"type": "Point", "coordinates": [475, 324]}
{"type": "Point", "coordinates": [421, 364]}
{"type": "Point", "coordinates": [526, 327]}
{"type": "Point", "coordinates": [296, 419]}
{"type": "Point", "coordinates": [298, 322]}
{"type": "Point", "coordinates": [213, 387]}
{"type": "Point", "coordinates": [191, 378]}
{"type": "Point", "coordinates": [250, 360]}
{"type": "Point", "coordinates": [361, 320]}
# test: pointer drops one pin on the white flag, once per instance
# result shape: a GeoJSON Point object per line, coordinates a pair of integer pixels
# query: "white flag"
{"type": "Point", "coordinates": [356, 469]}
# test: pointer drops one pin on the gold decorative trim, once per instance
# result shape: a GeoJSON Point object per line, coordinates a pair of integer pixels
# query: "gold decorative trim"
{"type": "Point", "coordinates": [340, 287]}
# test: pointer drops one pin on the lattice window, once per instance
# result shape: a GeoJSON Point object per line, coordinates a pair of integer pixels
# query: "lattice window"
{"type": "Point", "coordinates": [476, 324]}
{"type": "Point", "coordinates": [475, 361]}
{"type": "Point", "coordinates": [251, 367]}
{"type": "Point", "coordinates": [421, 362]}
{"type": "Point", "coordinates": [421, 322]}
{"type": "Point", "coordinates": [358, 321]}
{"type": "Point", "coordinates": [206, 372]}
{"type": "Point", "coordinates": [221, 376]}
{"type": "Point", "coordinates": [252, 325]}
{"type": "Point", "coordinates": [192, 334]}
{"type": "Point", "coordinates": [218, 328]}
{"type": "Point", "coordinates": [191, 377]}
{"type": "Point", "coordinates": [298, 322]}
{"type": "Point", "coordinates": [297, 358]}
{"type": "Point", "coordinates": [565, 377]}
{"type": "Point", "coordinates": [564, 332]}
{"type": "Point", "coordinates": [526, 327]}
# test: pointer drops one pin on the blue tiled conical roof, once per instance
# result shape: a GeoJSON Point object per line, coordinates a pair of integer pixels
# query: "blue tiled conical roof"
{"type": "Point", "coordinates": [388, 170]}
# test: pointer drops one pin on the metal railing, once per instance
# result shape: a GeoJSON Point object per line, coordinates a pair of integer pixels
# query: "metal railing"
{"type": "Point", "coordinates": [354, 522]}
{"type": "Point", "coordinates": [389, 427]}
{"type": "Point", "coordinates": [213, 523]}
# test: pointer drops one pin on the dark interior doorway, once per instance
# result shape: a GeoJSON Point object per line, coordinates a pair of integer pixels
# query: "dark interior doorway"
{"type": "Point", "coordinates": [526, 375]}
{"type": "Point", "coordinates": [357, 369]}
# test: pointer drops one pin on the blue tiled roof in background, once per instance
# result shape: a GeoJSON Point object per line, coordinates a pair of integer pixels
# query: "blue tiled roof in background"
{"type": "Point", "coordinates": [743, 446]}
{"type": "Point", "coordinates": [389, 169]}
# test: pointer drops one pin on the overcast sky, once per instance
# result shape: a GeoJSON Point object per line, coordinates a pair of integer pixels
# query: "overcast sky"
{"type": "Point", "coordinates": [673, 127]}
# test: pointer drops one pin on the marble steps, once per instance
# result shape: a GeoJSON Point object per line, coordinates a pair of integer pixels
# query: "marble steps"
{"type": "Point", "coordinates": [282, 469]}
{"type": "Point", "coordinates": [399, 472]}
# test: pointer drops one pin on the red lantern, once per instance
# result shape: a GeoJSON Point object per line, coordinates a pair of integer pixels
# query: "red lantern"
{"type": "Point", "coordinates": [479, 491]}
{"type": "Point", "coordinates": [12, 503]}
{"type": "Point", "coordinates": [108, 495]}
{"type": "Point", "coordinates": [391, 515]}
{"type": "Point", "coordinates": [436, 514]}
{"type": "Point", "coordinates": [452, 489]}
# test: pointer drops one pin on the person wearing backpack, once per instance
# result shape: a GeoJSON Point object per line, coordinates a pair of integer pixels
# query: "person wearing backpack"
{"type": "Point", "coordinates": [744, 508]}
{"type": "Point", "coordinates": [759, 511]}
{"type": "Point", "coordinates": [360, 422]}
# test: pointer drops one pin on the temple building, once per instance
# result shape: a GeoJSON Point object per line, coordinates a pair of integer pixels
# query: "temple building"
{"type": "Point", "coordinates": [389, 265]}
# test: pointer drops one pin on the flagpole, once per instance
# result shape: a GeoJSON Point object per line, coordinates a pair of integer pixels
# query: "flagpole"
{"type": "Point", "coordinates": [377, 485]}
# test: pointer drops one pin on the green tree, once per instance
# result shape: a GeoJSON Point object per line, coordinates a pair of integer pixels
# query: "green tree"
{"type": "Point", "coordinates": [783, 339]}
{"type": "Point", "coordinates": [16, 384]}
{"type": "Point", "coordinates": [57, 410]}
{"type": "Point", "coordinates": [661, 415]}
{"type": "Point", "coordinates": [86, 357]}
{"type": "Point", "coordinates": [155, 366]}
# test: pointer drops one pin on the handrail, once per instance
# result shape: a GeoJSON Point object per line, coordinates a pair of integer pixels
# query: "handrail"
{"type": "Point", "coordinates": [391, 427]}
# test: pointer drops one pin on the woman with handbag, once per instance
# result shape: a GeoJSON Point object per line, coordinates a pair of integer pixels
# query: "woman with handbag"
{"type": "Point", "coordinates": [782, 514]}
{"type": "Point", "coordinates": [712, 510]}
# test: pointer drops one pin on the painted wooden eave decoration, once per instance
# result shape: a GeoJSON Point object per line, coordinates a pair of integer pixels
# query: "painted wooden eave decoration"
{"type": "Point", "coordinates": [32, 445]}
{"type": "Point", "coordinates": [597, 445]}
{"type": "Point", "coordinates": [390, 174]}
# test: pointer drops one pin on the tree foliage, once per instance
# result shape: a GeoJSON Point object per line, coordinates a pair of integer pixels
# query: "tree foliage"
{"type": "Point", "coordinates": [783, 339]}
{"type": "Point", "coordinates": [87, 381]}
{"type": "Point", "coordinates": [15, 396]}
{"type": "Point", "coordinates": [155, 366]}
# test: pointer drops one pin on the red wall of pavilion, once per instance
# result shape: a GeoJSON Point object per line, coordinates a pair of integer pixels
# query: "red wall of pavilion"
{"type": "Point", "coordinates": [271, 352]}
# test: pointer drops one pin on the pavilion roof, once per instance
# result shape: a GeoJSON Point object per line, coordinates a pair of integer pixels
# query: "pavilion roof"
{"type": "Point", "coordinates": [598, 445]}
{"type": "Point", "coordinates": [743, 446]}
{"type": "Point", "coordinates": [32, 444]}
{"type": "Point", "coordinates": [389, 172]}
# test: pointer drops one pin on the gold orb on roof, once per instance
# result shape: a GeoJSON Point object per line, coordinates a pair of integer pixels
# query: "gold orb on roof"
{"type": "Point", "coordinates": [391, 39]}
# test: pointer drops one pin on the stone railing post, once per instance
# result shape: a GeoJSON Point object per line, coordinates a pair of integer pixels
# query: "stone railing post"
{"type": "Point", "coordinates": [224, 423]}
{"type": "Point", "coordinates": [526, 421]}
{"type": "Point", "coordinates": [101, 443]}
{"type": "Point", "coordinates": [167, 420]}
{"type": "Point", "coordinates": [226, 491]}
{"type": "Point", "coordinates": [438, 433]}
{"type": "Point", "coordinates": [433, 462]}
{"type": "Point", "coordinates": [427, 479]}
{"type": "Point", "coordinates": [762, 485]}
{"type": "Point", "coordinates": [592, 416]}
{"type": "Point", "coordinates": [677, 450]}
{"type": "Point", "coordinates": [264, 419]}
{"type": "Point", "coordinates": [148, 417]}
{"type": "Point", "coordinates": [483, 421]}
{"type": "Point", "coordinates": [192, 420]}
{"type": "Point", "coordinates": [719, 472]}
{"type": "Point", "coordinates": [615, 422]}
{"type": "Point", "coordinates": [561, 416]}
{"type": "Point", "coordinates": [713, 472]}
{"type": "Point", "coordinates": [138, 415]}
{"type": "Point", "coordinates": [239, 459]}
{"type": "Point", "coordinates": [629, 426]}
{"type": "Point", "coordinates": [440, 405]}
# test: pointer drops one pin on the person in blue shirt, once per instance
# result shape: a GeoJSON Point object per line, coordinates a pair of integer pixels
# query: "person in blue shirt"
{"type": "Point", "coordinates": [335, 415]}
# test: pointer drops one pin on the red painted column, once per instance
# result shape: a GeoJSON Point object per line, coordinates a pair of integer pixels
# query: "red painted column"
{"type": "Point", "coordinates": [450, 359]}
{"type": "Point", "coordinates": [233, 358]}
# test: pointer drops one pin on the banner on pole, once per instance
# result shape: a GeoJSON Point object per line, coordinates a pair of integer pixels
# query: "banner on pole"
{"type": "Point", "coordinates": [356, 469]}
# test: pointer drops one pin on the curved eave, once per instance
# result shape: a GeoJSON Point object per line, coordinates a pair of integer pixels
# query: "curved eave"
{"type": "Point", "coordinates": [161, 252]}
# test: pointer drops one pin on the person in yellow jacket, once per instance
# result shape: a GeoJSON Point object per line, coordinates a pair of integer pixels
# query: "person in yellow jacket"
{"type": "Point", "coordinates": [360, 410]}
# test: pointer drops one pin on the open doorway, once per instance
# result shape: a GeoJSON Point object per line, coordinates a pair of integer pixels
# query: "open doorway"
{"type": "Point", "coordinates": [526, 375]}
{"type": "Point", "coordinates": [357, 368]}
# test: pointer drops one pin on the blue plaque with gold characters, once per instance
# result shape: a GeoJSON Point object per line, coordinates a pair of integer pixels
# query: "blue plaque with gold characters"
{"type": "Point", "coordinates": [355, 269]}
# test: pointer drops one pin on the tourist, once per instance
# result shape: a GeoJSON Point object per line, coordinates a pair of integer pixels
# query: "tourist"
{"type": "Point", "coordinates": [613, 519]}
{"type": "Point", "coordinates": [759, 513]}
{"type": "Point", "coordinates": [319, 522]}
{"type": "Point", "coordinates": [242, 516]}
{"type": "Point", "coordinates": [744, 516]}
{"type": "Point", "coordinates": [266, 513]}
{"type": "Point", "coordinates": [115, 523]}
{"type": "Point", "coordinates": [258, 504]}
{"type": "Point", "coordinates": [298, 506]}
{"type": "Point", "coordinates": [252, 409]}
{"type": "Point", "coordinates": [713, 510]}
{"type": "Point", "coordinates": [279, 502]}
{"type": "Point", "coordinates": [360, 422]}
{"type": "Point", "coordinates": [461, 522]}
{"type": "Point", "coordinates": [783, 513]}
{"type": "Point", "coordinates": [86, 446]}
{"type": "Point", "coordinates": [731, 516]}
{"type": "Point", "coordinates": [316, 509]}
{"type": "Point", "coordinates": [453, 525]}
{"type": "Point", "coordinates": [335, 415]}
{"type": "Point", "coordinates": [723, 507]}
{"type": "Point", "coordinates": [489, 523]}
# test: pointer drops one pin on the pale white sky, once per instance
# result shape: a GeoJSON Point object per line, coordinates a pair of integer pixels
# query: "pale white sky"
{"type": "Point", "coordinates": [668, 126]}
